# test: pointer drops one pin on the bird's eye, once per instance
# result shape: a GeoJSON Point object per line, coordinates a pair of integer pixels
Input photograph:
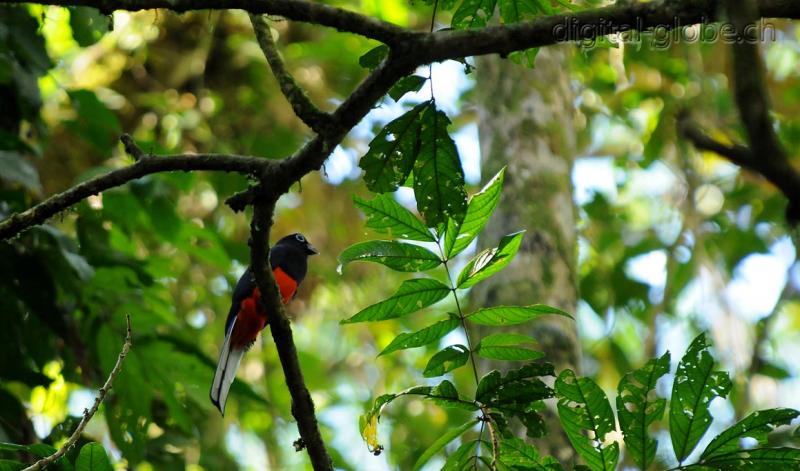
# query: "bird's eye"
{"type": "Point", "coordinates": [300, 238]}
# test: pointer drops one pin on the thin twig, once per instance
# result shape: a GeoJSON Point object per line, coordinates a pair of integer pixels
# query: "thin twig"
{"type": "Point", "coordinates": [302, 405]}
{"type": "Point", "coordinates": [88, 414]}
{"type": "Point", "coordinates": [312, 116]}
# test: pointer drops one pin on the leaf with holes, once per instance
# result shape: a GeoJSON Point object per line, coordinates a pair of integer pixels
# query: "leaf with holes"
{"type": "Point", "coordinates": [490, 261]}
{"type": "Point", "coordinates": [395, 255]}
{"type": "Point", "coordinates": [756, 425]}
{"type": "Point", "coordinates": [511, 347]}
{"type": "Point", "coordinates": [516, 394]}
{"type": "Point", "coordinates": [438, 176]}
{"type": "Point", "coordinates": [637, 411]}
{"type": "Point", "coordinates": [387, 216]}
{"type": "Point", "coordinates": [696, 385]}
{"type": "Point", "coordinates": [512, 315]}
{"type": "Point", "coordinates": [755, 459]}
{"type": "Point", "coordinates": [392, 152]}
{"type": "Point", "coordinates": [460, 233]}
{"type": "Point", "coordinates": [446, 360]}
{"type": "Point", "coordinates": [412, 296]}
{"type": "Point", "coordinates": [583, 406]}
{"type": "Point", "coordinates": [422, 337]}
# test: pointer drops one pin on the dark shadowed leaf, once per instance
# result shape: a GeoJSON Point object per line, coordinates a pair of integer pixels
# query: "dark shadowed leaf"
{"type": "Point", "coordinates": [462, 458]}
{"type": "Point", "coordinates": [490, 261]}
{"type": "Point", "coordinates": [93, 457]}
{"type": "Point", "coordinates": [438, 176]}
{"type": "Point", "coordinates": [473, 14]}
{"type": "Point", "coordinates": [15, 169]}
{"type": "Point", "coordinates": [411, 83]}
{"type": "Point", "coordinates": [518, 395]}
{"type": "Point", "coordinates": [696, 385]}
{"type": "Point", "coordinates": [395, 255]}
{"type": "Point", "coordinates": [422, 337]}
{"type": "Point", "coordinates": [88, 25]}
{"type": "Point", "coordinates": [511, 315]}
{"type": "Point", "coordinates": [583, 406]}
{"type": "Point", "coordinates": [637, 411]}
{"type": "Point", "coordinates": [412, 296]}
{"type": "Point", "coordinates": [392, 152]}
{"type": "Point", "coordinates": [756, 425]}
{"type": "Point", "coordinates": [513, 347]}
{"type": "Point", "coordinates": [460, 233]}
{"type": "Point", "coordinates": [373, 58]}
{"type": "Point", "coordinates": [764, 459]}
{"type": "Point", "coordinates": [387, 216]}
{"type": "Point", "coordinates": [446, 360]}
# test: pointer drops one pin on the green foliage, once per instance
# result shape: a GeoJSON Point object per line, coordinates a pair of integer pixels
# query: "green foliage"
{"type": "Point", "coordinates": [696, 385]}
{"type": "Point", "coordinates": [385, 215]}
{"type": "Point", "coordinates": [93, 457]}
{"type": "Point", "coordinates": [490, 261]}
{"type": "Point", "coordinates": [756, 425]}
{"type": "Point", "coordinates": [511, 315]}
{"type": "Point", "coordinates": [411, 83]}
{"type": "Point", "coordinates": [461, 232]}
{"type": "Point", "coordinates": [446, 360]}
{"type": "Point", "coordinates": [395, 255]}
{"type": "Point", "coordinates": [88, 25]}
{"type": "Point", "coordinates": [422, 337]}
{"type": "Point", "coordinates": [507, 347]}
{"type": "Point", "coordinates": [412, 296]}
{"type": "Point", "coordinates": [637, 411]}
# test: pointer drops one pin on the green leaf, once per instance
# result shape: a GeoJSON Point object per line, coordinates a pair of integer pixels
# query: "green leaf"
{"type": "Point", "coordinates": [95, 123]}
{"type": "Point", "coordinates": [480, 208]}
{"type": "Point", "coordinates": [88, 25]}
{"type": "Point", "coordinates": [473, 14]}
{"type": "Point", "coordinates": [438, 176]}
{"type": "Point", "coordinates": [441, 442]}
{"type": "Point", "coordinates": [515, 452]}
{"type": "Point", "coordinates": [582, 406]}
{"type": "Point", "coordinates": [507, 347]}
{"type": "Point", "coordinates": [765, 459]}
{"type": "Point", "coordinates": [490, 261]}
{"type": "Point", "coordinates": [412, 296]}
{"type": "Point", "coordinates": [422, 337]}
{"type": "Point", "coordinates": [15, 169]}
{"type": "Point", "coordinates": [696, 385]}
{"type": "Point", "coordinates": [461, 459]}
{"type": "Point", "coordinates": [411, 83]}
{"type": "Point", "coordinates": [395, 255]}
{"type": "Point", "coordinates": [93, 457]}
{"type": "Point", "coordinates": [518, 394]}
{"type": "Point", "coordinates": [637, 411]}
{"type": "Point", "coordinates": [373, 58]}
{"type": "Point", "coordinates": [387, 216]}
{"type": "Point", "coordinates": [446, 360]}
{"type": "Point", "coordinates": [392, 152]}
{"type": "Point", "coordinates": [511, 315]}
{"type": "Point", "coordinates": [756, 425]}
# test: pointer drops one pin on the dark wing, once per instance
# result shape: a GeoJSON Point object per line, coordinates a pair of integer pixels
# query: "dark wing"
{"type": "Point", "coordinates": [244, 289]}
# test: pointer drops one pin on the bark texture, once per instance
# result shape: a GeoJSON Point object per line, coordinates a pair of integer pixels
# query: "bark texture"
{"type": "Point", "coordinates": [527, 123]}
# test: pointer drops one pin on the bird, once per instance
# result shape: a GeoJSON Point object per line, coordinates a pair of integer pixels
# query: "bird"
{"type": "Point", "coordinates": [247, 317]}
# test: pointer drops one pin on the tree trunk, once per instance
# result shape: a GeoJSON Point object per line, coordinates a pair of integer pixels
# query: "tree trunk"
{"type": "Point", "coordinates": [527, 123]}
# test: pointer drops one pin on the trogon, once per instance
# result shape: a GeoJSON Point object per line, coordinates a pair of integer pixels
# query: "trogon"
{"type": "Point", "coordinates": [289, 261]}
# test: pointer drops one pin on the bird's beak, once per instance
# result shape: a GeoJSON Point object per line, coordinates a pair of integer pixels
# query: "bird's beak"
{"type": "Point", "coordinates": [311, 249]}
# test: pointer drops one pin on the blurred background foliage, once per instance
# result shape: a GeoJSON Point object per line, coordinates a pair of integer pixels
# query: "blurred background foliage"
{"type": "Point", "coordinates": [672, 242]}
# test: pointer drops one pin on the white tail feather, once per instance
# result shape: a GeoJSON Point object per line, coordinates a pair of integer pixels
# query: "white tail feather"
{"type": "Point", "coordinates": [229, 359]}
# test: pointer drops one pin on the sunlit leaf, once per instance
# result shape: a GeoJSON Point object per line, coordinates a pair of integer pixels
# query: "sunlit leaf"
{"type": "Point", "coordinates": [507, 347]}
{"type": "Point", "coordinates": [583, 406]}
{"type": "Point", "coordinates": [756, 425]}
{"type": "Point", "coordinates": [696, 385]}
{"type": "Point", "coordinates": [460, 233]}
{"type": "Point", "coordinates": [446, 360]}
{"type": "Point", "coordinates": [438, 176]}
{"type": "Point", "coordinates": [93, 457]}
{"type": "Point", "coordinates": [385, 215]}
{"type": "Point", "coordinates": [422, 337]}
{"type": "Point", "coordinates": [511, 315]}
{"type": "Point", "coordinates": [637, 411]}
{"type": "Point", "coordinates": [412, 296]}
{"type": "Point", "coordinates": [473, 14]}
{"type": "Point", "coordinates": [490, 261]}
{"type": "Point", "coordinates": [392, 152]}
{"type": "Point", "coordinates": [441, 442]}
{"type": "Point", "coordinates": [395, 255]}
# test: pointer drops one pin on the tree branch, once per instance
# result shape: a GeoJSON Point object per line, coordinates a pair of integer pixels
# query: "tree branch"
{"type": "Point", "coordinates": [303, 107]}
{"type": "Point", "coordinates": [302, 405]}
{"type": "Point", "coordinates": [738, 154]}
{"type": "Point", "coordinates": [88, 414]}
{"type": "Point", "coordinates": [144, 165]}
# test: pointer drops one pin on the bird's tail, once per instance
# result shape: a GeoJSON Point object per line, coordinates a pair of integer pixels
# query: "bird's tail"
{"type": "Point", "coordinates": [229, 359]}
